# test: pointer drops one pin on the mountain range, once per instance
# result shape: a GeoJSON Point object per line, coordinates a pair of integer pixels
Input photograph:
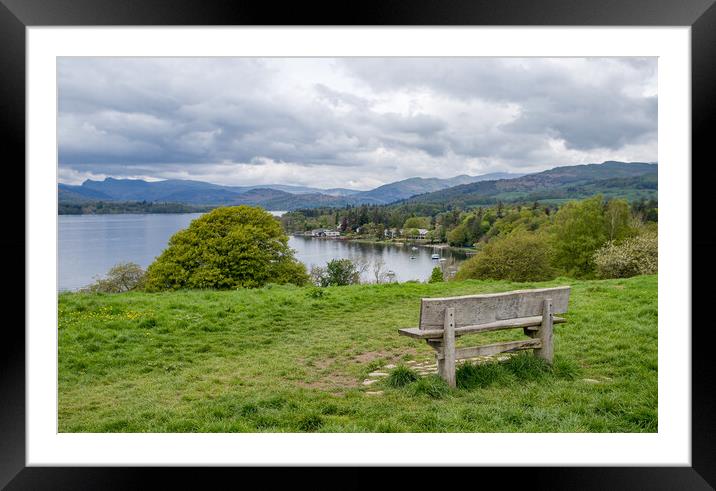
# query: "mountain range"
{"type": "Point", "coordinates": [632, 180]}
{"type": "Point", "coordinates": [269, 196]}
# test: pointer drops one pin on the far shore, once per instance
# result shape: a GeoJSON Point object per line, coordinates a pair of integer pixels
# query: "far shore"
{"type": "Point", "coordinates": [405, 242]}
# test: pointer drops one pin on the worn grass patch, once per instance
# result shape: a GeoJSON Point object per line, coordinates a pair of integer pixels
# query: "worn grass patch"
{"type": "Point", "coordinates": [287, 359]}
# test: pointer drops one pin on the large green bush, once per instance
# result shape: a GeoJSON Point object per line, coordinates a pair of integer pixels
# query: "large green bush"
{"type": "Point", "coordinates": [519, 256]}
{"type": "Point", "coordinates": [632, 257]}
{"type": "Point", "coordinates": [229, 247]}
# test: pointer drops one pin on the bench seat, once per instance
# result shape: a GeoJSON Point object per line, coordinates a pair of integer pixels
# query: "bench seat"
{"type": "Point", "coordinates": [533, 321]}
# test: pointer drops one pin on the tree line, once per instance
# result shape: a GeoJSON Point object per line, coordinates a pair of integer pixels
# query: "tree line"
{"type": "Point", "coordinates": [245, 247]}
{"type": "Point", "coordinates": [118, 207]}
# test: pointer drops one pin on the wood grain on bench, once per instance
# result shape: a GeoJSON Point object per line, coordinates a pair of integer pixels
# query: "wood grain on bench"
{"type": "Point", "coordinates": [473, 310]}
{"type": "Point", "coordinates": [534, 321]}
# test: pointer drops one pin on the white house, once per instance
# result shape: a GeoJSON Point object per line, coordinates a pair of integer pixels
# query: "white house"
{"type": "Point", "coordinates": [325, 232]}
{"type": "Point", "coordinates": [422, 233]}
{"type": "Point", "coordinates": [390, 233]}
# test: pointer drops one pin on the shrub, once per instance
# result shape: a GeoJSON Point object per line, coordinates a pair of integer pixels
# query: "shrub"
{"type": "Point", "coordinates": [401, 376]}
{"type": "Point", "coordinates": [122, 277]}
{"type": "Point", "coordinates": [229, 247]}
{"type": "Point", "coordinates": [338, 272]}
{"type": "Point", "coordinates": [634, 256]}
{"type": "Point", "coordinates": [436, 276]}
{"type": "Point", "coordinates": [520, 256]}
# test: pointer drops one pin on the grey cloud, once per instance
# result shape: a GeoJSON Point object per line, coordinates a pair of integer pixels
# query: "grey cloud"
{"type": "Point", "coordinates": [555, 98]}
{"type": "Point", "coordinates": [124, 116]}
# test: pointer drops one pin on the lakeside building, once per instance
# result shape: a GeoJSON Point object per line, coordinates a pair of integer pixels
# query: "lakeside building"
{"type": "Point", "coordinates": [325, 232]}
{"type": "Point", "coordinates": [422, 234]}
{"type": "Point", "coordinates": [391, 233]}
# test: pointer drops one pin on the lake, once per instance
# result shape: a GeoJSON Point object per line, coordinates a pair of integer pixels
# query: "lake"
{"type": "Point", "coordinates": [89, 245]}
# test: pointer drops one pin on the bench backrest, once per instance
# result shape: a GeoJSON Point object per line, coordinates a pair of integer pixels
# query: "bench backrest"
{"type": "Point", "coordinates": [481, 309]}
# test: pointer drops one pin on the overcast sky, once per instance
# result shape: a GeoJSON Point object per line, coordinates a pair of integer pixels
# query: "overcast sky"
{"type": "Point", "coordinates": [349, 122]}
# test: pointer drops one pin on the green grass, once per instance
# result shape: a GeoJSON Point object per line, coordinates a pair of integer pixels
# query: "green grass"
{"type": "Point", "coordinates": [289, 359]}
{"type": "Point", "coordinates": [401, 376]}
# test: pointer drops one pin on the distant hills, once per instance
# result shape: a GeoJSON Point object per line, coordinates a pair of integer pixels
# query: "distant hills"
{"type": "Point", "coordinates": [395, 191]}
{"type": "Point", "coordinates": [271, 197]}
{"type": "Point", "coordinates": [633, 180]}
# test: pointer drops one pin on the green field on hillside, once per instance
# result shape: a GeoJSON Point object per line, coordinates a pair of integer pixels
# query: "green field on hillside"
{"type": "Point", "coordinates": [292, 359]}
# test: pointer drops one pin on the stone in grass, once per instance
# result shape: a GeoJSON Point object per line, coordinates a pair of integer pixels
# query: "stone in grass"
{"type": "Point", "coordinates": [374, 392]}
{"type": "Point", "coordinates": [591, 381]}
{"type": "Point", "coordinates": [369, 381]}
{"type": "Point", "coordinates": [390, 366]}
{"type": "Point", "coordinates": [377, 374]}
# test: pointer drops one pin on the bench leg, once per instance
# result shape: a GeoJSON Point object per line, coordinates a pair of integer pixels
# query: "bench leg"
{"type": "Point", "coordinates": [446, 366]}
{"type": "Point", "coordinates": [546, 352]}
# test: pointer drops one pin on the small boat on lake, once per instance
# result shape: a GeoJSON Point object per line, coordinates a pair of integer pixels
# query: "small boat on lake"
{"type": "Point", "coordinates": [414, 248]}
{"type": "Point", "coordinates": [435, 256]}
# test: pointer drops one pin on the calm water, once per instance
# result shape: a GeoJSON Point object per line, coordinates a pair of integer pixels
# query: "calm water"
{"type": "Point", "coordinates": [91, 244]}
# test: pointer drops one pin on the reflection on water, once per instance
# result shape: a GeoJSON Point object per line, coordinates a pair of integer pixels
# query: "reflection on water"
{"type": "Point", "coordinates": [406, 263]}
{"type": "Point", "coordinates": [89, 245]}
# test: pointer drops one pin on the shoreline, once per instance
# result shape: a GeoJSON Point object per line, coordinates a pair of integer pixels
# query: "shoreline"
{"type": "Point", "coordinates": [412, 243]}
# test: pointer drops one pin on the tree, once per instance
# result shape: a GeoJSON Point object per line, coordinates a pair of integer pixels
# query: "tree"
{"type": "Point", "coordinates": [379, 272]}
{"type": "Point", "coordinates": [338, 272]}
{"type": "Point", "coordinates": [579, 230]}
{"type": "Point", "coordinates": [617, 219]}
{"type": "Point", "coordinates": [436, 276]}
{"type": "Point", "coordinates": [417, 222]}
{"type": "Point", "coordinates": [411, 232]}
{"type": "Point", "coordinates": [459, 236]}
{"type": "Point", "coordinates": [122, 277]}
{"type": "Point", "coordinates": [229, 247]}
{"type": "Point", "coordinates": [520, 256]}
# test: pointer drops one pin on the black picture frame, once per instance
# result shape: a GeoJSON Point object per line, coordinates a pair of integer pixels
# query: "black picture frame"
{"type": "Point", "coordinates": [700, 15]}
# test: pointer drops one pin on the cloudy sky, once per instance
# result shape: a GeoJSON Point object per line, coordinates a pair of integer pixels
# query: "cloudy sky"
{"type": "Point", "coordinates": [349, 122]}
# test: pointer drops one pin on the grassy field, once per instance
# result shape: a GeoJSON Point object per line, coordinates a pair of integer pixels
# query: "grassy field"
{"type": "Point", "coordinates": [289, 359]}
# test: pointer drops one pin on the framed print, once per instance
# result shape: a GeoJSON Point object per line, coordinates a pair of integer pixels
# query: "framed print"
{"type": "Point", "coordinates": [254, 243]}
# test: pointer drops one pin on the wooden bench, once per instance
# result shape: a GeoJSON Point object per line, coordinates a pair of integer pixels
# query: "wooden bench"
{"type": "Point", "coordinates": [443, 319]}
